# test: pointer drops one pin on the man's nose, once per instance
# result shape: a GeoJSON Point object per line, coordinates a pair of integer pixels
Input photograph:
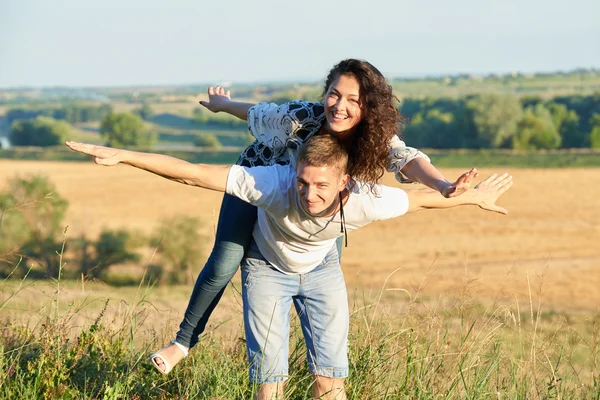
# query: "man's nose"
{"type": "Point", "coordinates": [310, 193]}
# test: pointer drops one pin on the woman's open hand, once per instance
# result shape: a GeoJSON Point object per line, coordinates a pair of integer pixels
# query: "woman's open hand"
{"type": "Point", "coordinates": [217, 98]}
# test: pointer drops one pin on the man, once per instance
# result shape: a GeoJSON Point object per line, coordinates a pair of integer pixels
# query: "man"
{"type": "Point", "coordinates": [293, 258]}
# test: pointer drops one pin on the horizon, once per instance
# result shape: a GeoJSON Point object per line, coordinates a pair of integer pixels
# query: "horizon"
{"type": "Point", "coordinates": [111, 43]}
{"type": "Point", "coordinates": [307, 81]}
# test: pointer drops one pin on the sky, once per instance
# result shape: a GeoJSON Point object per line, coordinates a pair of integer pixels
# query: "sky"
{"type": "Point", "coordinates": [83, 43]}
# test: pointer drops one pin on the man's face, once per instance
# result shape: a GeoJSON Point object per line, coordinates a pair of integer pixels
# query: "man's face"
{"type": "Point", "coordinates": [319, 188]}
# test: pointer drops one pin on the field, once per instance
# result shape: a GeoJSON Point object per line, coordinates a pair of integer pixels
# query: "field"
{"type": "Point", "coordinates": [552, 227]}
{"type": "Point", "coordinates": [541, 259]}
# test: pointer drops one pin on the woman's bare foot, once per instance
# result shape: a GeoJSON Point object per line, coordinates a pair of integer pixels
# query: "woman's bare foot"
{"type": "Point", "coordinates": [168, 357]}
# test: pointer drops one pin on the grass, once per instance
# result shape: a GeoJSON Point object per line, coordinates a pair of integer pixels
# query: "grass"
{"type": "Point", "coordinates": [401, 346]}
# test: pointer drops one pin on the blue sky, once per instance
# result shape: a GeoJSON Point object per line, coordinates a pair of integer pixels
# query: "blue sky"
{"type": "Point", "coordinates": [134, 42]}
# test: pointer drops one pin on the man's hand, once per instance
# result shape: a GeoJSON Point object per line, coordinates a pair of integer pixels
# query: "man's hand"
{"type": "Point", "coordinates": [462, 184]}
{"type": "Point", "coordinates": [102, 155]}
{"type": "Point", "coordinates": [217, 99]}
{"type": "Point", "coordinates": [488, 191]}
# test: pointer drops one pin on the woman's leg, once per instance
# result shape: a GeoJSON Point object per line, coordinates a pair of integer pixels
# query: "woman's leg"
{"type": "Point", "coordinates": [234, 234]}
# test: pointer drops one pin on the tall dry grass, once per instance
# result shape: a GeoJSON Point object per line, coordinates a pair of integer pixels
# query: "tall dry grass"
{"type": "Point", "coordinates": [402, 345]}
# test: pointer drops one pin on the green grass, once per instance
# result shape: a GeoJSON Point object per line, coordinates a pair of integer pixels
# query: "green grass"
{"type": "Point", "coordinates": [400, 348]}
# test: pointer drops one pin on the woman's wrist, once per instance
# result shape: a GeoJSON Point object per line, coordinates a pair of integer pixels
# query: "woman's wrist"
{"type": "Point", "coordinates": [444, 187]}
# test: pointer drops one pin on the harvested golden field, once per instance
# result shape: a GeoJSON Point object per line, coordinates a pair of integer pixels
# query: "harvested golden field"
{"type": "Point", "coordinates": [550, 237]}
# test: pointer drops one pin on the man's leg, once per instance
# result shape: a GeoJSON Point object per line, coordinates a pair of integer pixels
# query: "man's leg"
{"type": "Point", "coordinates": [322, 306]}
{"type": "Point", "coordinates": [328, 388]}
{"type": "Point", "coordinates": [271, 391]}
{"type": "Point", "coordinates": [267, 295]}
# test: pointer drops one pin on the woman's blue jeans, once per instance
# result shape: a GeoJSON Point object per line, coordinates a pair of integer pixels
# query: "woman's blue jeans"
{"type": "Point", "coordinates": [234, 235]}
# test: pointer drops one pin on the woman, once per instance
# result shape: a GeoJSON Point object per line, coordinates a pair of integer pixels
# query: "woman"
{"type": "Point", "coordinates": [359, 110]}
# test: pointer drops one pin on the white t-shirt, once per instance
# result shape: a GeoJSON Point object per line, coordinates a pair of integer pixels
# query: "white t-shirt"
{"type": "Point", "coordinates": [288, 237]}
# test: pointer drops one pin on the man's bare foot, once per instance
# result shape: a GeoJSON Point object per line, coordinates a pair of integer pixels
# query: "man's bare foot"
{"type": "Point", "coordinates": [168, 357]}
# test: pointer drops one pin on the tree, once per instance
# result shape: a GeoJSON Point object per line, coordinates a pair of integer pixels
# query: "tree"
{"type": "Point", "coordinates": [436, 130]}
{"type": "Point", "coordinates": [41, 131]}
{"type": "Point", "coordinates": [12, 234]}
{"type": "Point", "coordinates": [496, 118]}
{"type": "Point", "coordinates": [595, 133]}
{"type": "Point", "coordinates": [146, 112]}
{"type": "Point", "coordinates": [570, 132]}
{"type": "Point", "coordinates": [567, 123]}
{"type": "Point", "coordinates": [536, 130]}
{"type": "Point", "coordinates": [40, 211]}
{"type": "Point", "coordinates": [112, 247]}
{"type": "Point", "coordinates": [181, 245]}
{"type": "Point", "coordinates": [207, 140]}
{"type": "Point", "coordinates": [125, 130]}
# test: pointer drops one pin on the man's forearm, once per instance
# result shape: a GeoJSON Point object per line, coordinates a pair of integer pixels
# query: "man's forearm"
{"type": "Point", "coordinates": [237, 109]}
{"type": "Point", "coordinates": [422, 171]}
{"type": "Point", "coordinates": [207, 176]}
{"type": "Point", "coordinates": [421, 199]}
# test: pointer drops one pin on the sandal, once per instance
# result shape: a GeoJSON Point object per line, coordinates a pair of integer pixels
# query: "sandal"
{"type": "Point", "coordinates": [166, 364]}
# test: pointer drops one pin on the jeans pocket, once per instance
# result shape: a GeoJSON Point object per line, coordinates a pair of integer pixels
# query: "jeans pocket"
{"type": "Point", "coordinates": [331, 260]}
{"type": "Point", "coordinates": [253, 268]}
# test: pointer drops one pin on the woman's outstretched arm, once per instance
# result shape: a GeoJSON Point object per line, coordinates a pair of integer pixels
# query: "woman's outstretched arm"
{"type": "Point", "coordinates": [219, 100]}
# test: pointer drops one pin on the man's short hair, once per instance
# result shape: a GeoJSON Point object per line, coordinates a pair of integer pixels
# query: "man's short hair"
{"type": "Point", "coordinates": [324, 151]}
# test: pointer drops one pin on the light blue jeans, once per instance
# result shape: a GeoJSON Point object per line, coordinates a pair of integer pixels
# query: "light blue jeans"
{"type": "Point", "coordinates": [321, 303]}
{"type": "Point", "coordinates": [234, 234]}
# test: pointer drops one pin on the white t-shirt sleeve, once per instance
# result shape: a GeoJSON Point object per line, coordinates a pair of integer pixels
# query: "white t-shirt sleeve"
{"type": "Point", "coordinates": [259, 186]}
{"type": "Point", "coordinates": [390, 202]}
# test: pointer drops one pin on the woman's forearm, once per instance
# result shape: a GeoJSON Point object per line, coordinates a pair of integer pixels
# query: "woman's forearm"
{"type": "Point", "coordinates": [237, 109]}
{"type": "Point", "coordinates": [422, 171]}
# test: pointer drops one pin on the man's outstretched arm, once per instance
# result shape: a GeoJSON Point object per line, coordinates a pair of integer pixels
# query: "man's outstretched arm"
{"type": "Point", "coordinates": [207, 176]}
{"type": "Point", "coordinates": [483, 195]}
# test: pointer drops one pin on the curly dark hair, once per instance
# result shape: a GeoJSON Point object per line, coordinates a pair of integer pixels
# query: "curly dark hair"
{"type": "Point", "coordinates": [369, 147]}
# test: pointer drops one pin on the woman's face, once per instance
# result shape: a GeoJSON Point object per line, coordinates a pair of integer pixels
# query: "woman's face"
{"type": "Point", "coordinates": [342, 106]}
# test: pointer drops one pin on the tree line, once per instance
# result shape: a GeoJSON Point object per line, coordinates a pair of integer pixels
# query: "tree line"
{"type": "Point", "coordinates": [488, 120]}
{"type": "Point", "coordinates": [71, 113]}
{"type": "Point", "coordinates": [503, 121]}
